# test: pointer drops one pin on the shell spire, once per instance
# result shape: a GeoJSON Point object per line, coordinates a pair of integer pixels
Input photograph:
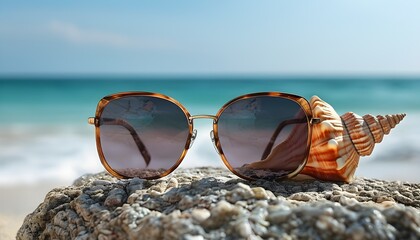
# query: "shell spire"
{"type": "Point", "coordinates": [339, 141]}
{"type": "Point", "coordinates": [367, 130]}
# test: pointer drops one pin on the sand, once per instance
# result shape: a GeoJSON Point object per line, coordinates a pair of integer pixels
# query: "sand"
{"type": "Point", "coordinates": [9, 225]}
{"type": "Point", "coordinates": [17, 201]}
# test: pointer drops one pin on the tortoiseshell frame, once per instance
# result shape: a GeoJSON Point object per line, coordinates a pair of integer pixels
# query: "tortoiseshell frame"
{"type": "Point", "coordinates": [104, 101]}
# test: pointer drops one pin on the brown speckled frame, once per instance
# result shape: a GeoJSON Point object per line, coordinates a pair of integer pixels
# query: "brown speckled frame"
{"type": "Point", "coordinates": [303, 103]}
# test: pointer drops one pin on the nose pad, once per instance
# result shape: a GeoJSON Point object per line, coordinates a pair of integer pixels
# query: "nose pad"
{"type": "Point", "coordinates": [193, 136]}
{"type": "Point", "coordinates": [214, 141]}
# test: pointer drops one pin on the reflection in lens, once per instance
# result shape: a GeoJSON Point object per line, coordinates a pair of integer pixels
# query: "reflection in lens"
{"type": "Point", "coordinates": [142, 136]}
{"type": "Point", "coordinates": [264, 137]}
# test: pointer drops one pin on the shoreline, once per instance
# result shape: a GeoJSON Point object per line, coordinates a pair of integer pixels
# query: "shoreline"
{"type": "Point", "coordinates": [18, 201]}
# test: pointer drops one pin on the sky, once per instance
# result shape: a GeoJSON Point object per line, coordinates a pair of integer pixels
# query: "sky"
{"type": "Point", "coordinates": [210, 37]}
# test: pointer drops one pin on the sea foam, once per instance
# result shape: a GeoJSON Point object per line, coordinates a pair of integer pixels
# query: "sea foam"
{"type": "Point", "coordinates": [30, 153]}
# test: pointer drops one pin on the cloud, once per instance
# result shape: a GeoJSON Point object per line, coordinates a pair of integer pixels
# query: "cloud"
{"type": "Point", "coordinates": [75, 34]}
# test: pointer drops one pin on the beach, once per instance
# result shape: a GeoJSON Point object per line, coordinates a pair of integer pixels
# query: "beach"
{"type": "Point", "coordinates": [9, 226]}
{"type": "Point", "coordinates": [18, 201]}
{"type": "Point", "coordinates": [136, 88]}
{"type": "Point", "coordinates": [45, 141]}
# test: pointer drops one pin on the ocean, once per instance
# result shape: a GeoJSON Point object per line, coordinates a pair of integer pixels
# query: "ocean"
{"type": "Point", "coordinates": [44, 134]}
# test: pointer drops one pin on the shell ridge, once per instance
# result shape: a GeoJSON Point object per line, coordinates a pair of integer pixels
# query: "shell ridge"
{"type": "Point", "coordinates": [374, 127]}
{"type": "Point", "coordinates": [348, 132]}
{"type": "Point", "coordinates": [370, 130]}
{"type": "Point", "coordinates": [380, 124]}
{"type": "Point", "coordinates": [384, 124]}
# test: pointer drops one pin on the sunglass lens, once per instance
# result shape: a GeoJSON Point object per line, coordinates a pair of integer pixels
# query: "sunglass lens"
{"type": "Point", "coordinates": [142, 136]}
{"type": "Point", "coordinates": [264, 136]}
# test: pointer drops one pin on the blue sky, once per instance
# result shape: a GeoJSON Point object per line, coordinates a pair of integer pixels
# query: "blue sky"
{"type": "Point", "coordinates": [210, 37]}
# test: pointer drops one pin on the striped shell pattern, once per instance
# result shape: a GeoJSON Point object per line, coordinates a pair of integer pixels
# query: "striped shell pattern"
{"type": "Point", "coordinates": [339, 141]}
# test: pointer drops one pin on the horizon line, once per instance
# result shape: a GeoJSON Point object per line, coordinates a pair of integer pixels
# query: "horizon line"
{"type": "Point", "coordinates": [215, 76]}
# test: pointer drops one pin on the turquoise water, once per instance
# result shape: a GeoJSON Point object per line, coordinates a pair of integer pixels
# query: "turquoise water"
{"type": "Point", "coordinates": [45, 135]}
{"type": "Point", "coordinates": [36, 101]}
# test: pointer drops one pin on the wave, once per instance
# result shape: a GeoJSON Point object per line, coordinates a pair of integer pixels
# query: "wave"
{"type": "Point", "coordinates": [32, 153]}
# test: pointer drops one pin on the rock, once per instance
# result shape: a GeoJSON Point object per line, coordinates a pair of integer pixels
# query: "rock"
{"type": "Point", "coordinates": [212, 203]}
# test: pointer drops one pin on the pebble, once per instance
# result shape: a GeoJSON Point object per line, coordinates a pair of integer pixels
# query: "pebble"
{"type": "Point", "coordinates": [200, 214]}
{"type": "Point", "coordinates": [172, 183]}
{"type": "Point", "coordinates": [186, 202]}
{"type": "Point", "coordinates": [240, 192]}
{"type": "Point", "coordinates": [301, 197]}
{"type": "Point", "coordinates": [279, 216]}
{"type": "Point", "coordinates": [159, 187]}
{"type": "Point", "coordinates": [100, 182]}
{"type": "Point", "coordinates": [260, 193]}
{"type": "Point", "coordinates": [330, 224]}
{"type": "Point", "coordinates": [134, 185]}
{"type": "Point", "coordinates": [244, 186]}
{"type": "Point", "coordinates": [384, 198]}
{"type": "Point", "coordinates": [223, 209]}
{"type": "Point", "coordinates": [347, 201]}
{"type": "Point", "coordinates": [351, 189]}
{"type": "Point", "coordinates": [155, 193]}
{"type": "Point", "coordinates": [243, 228]}
{"type": "Point", "coordinates": [116, 197]}
{"type": "Point", "coordinates": [387, 204]}
{"type": "Point", "coordinates": [211, 203]}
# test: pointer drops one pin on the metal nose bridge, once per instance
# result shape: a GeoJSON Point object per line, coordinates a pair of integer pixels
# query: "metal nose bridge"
{"type": "Point", "coordinates": [215, 118]}
{"type": "Point", "coordinates": [203, 117]}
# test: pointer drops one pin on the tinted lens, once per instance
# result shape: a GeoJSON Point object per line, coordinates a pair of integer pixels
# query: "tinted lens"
{"type": "Point", "coordinates": [264, 136]}
{"type": "Point", "coordinates": [142, 136]}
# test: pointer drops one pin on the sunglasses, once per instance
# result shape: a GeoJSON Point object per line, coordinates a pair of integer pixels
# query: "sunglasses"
{"type": "Point", "coordinates": [258, 136]}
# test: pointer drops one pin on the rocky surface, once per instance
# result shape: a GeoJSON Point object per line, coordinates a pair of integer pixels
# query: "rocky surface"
{"type": "Point", "coordinates": [209, 203]}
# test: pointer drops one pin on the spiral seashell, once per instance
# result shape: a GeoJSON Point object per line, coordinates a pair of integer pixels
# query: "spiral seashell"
{"type": "Point", "coordinates": [339, 141]}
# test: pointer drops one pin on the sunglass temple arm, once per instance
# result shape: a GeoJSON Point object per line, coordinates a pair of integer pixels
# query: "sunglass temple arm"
{"type": "Point", "coordinates": [280, 127]}
{"type": "Point", "coordinates": [140, 145]}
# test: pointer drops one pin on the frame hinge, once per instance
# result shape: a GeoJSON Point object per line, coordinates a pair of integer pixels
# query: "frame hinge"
{"type": "Point", "coordinates": [92, 120]}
